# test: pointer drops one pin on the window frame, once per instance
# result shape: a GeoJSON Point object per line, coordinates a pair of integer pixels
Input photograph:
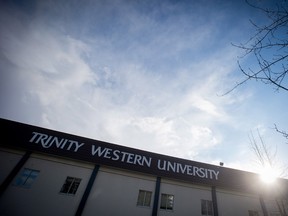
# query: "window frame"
{"type": "Point", "coordinates": [143, 202]}
{"type": "Point", "coordinates": [167, 206]}
{"type": "Point", "coordinates": [26, 178]}
{"type": "Point", "coordinates": [70, 186]}
{"type": "Point", "coordinates": [207, 207]}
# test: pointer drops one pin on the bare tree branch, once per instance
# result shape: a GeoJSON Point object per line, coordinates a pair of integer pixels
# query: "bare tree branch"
{"type": "Point", "coordinates": [284, 133]}
{"type": "Point", "coordinates": [266, 157]}
{"type": "Point", "coordinates": [269, 47]}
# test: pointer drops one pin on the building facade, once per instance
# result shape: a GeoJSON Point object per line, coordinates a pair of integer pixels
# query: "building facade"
{"type": "Point", "coordinates": [46, 172]}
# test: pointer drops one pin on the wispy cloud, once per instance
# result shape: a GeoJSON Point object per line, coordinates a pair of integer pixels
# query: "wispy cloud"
{"type": "Point", "coordinates": [123, 102]}
{"type": "Point", "coordinates": [148, 78]}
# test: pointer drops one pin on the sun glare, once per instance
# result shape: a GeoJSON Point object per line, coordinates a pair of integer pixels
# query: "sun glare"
{"type": "Point", "coordinates": [268, 175]}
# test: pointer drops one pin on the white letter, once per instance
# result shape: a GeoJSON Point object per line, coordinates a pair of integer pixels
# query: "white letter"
{"type": "Point", "coordinates": [182, 170]}
{"type": "Point", "coordinates": [216, 174]}
{"type": "Point", "coordinates": [137, 159]}
{"type": "Point", "coordinates": [42, 139]}
{"type": "Point", "coordinates": [71, 143]}
{"type": "Point", "coordinates": [211, 174]}
{"type": "Point", "coordinates": [98, 150]}
{"type": "Point", "coordinates": [130, 158]}
{"type": "Point", "coordinates": [189, 169]}
{"type": "Point", "coordinates": [202, 173]}
{"type": "Point", "coordinates": [108, 153]}
{"type": "Point", "coordinates": [146, 161]}
{"type": "Point", "coordinates": [78, 146]}
{"type": "Point", "coordinates": [164, 165]}
{"type": "Point", "coordinates": [56, 140]}
{"type": "Point", "coordinates": [115, 155]}
{"type": "Point", "coordinates": [34, 136]}
{"type": "Point", "coordinates": [195, 170]}
{"type": "Point", "coordinates": [171, 166]}
{"type": "Point", "coordinates": [123, 156]}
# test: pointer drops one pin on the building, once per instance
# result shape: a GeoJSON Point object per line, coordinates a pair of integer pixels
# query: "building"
{"type": "Point", "coordinates": [46, 172]}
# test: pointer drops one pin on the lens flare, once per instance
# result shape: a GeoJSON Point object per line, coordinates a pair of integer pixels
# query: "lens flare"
{"type": "Point", "coordinates": [268, 175]}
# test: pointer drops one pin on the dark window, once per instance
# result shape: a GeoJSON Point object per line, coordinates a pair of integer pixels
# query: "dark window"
{"type": "Point", "coordinates": [167, 201]}
{"type": "Point", "coordinates": [71, 185]}
{"type": "Point", "coordinates": [26, 178]}
{"type": "Point", "coordinates": [144, 198]}
{"type": "Point", "coordinates": [206, 207]}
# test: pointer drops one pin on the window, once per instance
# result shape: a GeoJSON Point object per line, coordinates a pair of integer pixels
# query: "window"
{"type": "Point", "coordinates": [26, 178]}
{"type": "Point", "coordinates": [71, 185]}
{"type": "Point", "coordinates": [206, 207]}
{"type": "Point", "coordinates": [253, 213]}
{"type": "Point", "coordinates": [167, 201]}
{"type": "Point", "coordinates": [144, 198]}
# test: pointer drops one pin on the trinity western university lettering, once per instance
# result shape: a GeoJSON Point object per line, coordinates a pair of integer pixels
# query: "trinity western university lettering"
{"type": "Point", "coordinates": [161, 164]}
{"type": "Point", "coordinates": [122, 156]}
{"type": "Point", "coordinates": [48, 141]}
{"type": "Point", "coordinates": [187, 169]}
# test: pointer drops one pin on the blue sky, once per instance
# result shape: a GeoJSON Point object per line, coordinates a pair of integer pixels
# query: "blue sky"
{"type": "Point", "coordinates": [143, 74]}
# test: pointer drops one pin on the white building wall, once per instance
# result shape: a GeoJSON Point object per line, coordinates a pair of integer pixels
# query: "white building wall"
{"type": "Point", "coordinates": [43, 198]}
{"type": "Point", "coordinates": [115, 193]}
{"type": "Point", "coordinates": [237, 204]}
{"type": "Point", "coordinates": [187, 198]}
{"type": "Point", "coordinates": [274, 207]}
{"type": "Point", "coordinates": [8, 160]}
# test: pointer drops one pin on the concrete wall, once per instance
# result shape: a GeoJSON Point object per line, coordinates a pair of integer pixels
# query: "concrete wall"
{"type": "Point", "coordinates": [114, 192]}
{"type": "Point", "coordinates": [237, 204]}
{"type": "Point", "coordinates": [274, 207]}
{"type": "Point", "coordinates": [8, 160]}
{"type": "Point", "coordinates": [43, 198]}
{"type": "Point", "coordinates": [187, 198]}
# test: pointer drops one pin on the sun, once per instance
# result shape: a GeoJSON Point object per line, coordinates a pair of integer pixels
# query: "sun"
{"type": "Point", "coordinates": [268, 175]}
